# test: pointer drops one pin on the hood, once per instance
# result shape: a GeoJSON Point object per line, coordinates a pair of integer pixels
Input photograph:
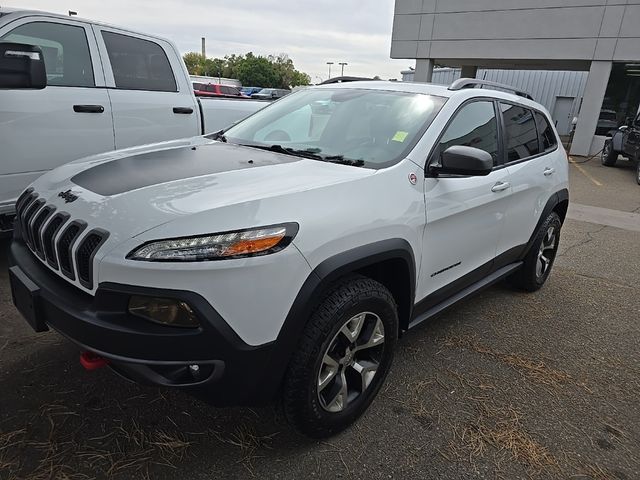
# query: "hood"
{"type": "Point", "coordinates": [130, 192]}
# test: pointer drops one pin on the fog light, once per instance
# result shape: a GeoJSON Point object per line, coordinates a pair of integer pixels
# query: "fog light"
{"type": "Point", "coordinates": [166, 311]}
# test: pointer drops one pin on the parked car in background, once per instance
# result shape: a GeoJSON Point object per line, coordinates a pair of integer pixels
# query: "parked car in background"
{"type": "Point", "coordinates": [250, 90]}
{"type": "Point", "coordinates": [71, 88]}
{"type": "Point", "coordinates": [286, 255]}
{"type": "Point", "coordinates": [217, 90]}
{"type": "Point", "coordinates": [271, 93]}
{"type": "Point", "coordinates": [625, 141]}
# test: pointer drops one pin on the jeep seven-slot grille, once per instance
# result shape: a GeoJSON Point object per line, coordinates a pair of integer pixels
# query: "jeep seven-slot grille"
{"type": "Point", "coordinates": [52, 236]}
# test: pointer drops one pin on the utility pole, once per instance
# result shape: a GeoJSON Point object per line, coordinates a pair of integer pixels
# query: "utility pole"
{"type": "Point", "coordinates": [329, 63]}
{"type": "Point", "coordinates": [342, 64]}
{"type": "Point", "coordinates": [204, 50]}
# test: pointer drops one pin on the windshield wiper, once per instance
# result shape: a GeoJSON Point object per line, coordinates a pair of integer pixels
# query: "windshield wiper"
{"type": "Point", "coordinates": [287, 151]}
{"type": "Point", "coordinates": [219, 135]}
{"type": "Point", "coordinates": [343, 161]}
{"type": "Point", "coordinates": [310, 153]}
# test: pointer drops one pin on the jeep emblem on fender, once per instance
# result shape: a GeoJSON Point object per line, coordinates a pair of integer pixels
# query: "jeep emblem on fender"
{"type": "Point", "coordinates": [68, 196]}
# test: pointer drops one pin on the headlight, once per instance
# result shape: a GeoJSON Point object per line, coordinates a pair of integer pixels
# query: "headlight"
{"type": "Point", "coordinates": [218, 246]}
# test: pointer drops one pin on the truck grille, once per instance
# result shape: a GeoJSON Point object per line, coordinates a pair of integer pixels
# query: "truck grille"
{"type": "Point", "coordinates": [52, 236]}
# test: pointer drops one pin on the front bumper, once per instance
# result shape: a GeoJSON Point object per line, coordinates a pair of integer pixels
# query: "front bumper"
{"type": "Point", "coordinates": [230, 372]}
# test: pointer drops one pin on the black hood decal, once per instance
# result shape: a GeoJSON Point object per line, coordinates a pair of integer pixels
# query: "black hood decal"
{"type": "Point", "coordinates": [146, 169]}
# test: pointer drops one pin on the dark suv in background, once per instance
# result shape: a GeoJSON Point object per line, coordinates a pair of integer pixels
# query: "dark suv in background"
{"type": "Point", "coordinates": [624, 141]}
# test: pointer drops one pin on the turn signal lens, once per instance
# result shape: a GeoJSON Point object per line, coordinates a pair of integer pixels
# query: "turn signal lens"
{"type": "Point", "coordinates": [242, 243]}
{"type": "Point", "coordinates": [166, 311]}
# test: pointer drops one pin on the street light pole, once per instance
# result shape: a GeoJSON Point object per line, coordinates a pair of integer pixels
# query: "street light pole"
{"type": "Point", "coordinates": [329, 63]}
{"type": "Point", "coordinates": [342, 64]}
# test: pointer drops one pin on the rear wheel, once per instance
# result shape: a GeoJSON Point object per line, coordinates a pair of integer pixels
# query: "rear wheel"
{"type": "Point", "coordinates": [343, 358]}
{"type": "Point", "coordinates": [638, 173]}
{"type": "Point", "coordinates": [538, 262]}
{"type": "Point", "coordinates": [609, 155]}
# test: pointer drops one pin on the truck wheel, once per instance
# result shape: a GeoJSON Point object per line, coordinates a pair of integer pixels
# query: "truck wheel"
{"type": "Point", "coordinates": [342, 359]}
{"type": "Point", "coordinates": [538, 262]}
{"type": "Point", "coordinates": [609, 155]}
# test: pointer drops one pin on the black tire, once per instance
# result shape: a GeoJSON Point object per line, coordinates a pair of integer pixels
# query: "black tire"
{"type": "Point", "coordinates": [305, 406]}
{"type": "Point", "coordinates": [609, 155]}
{"type": "Point", "coordinates": [531, 276]}
{"type": "Point", "coordinates": [638, 172]}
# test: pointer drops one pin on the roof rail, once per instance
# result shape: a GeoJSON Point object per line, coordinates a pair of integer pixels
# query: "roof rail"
{"type": "Point", "coordinates": [474, 82]}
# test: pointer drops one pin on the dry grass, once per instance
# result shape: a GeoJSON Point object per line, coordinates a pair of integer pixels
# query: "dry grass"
{"type": "Point", "coordinates": [61, 452]}
{"type": "Point", "coordinates": [537, 370]}
{"type": "Point", "coordinates": [249, 442]}
{"type": "Point", "coordinates": [498, 431]}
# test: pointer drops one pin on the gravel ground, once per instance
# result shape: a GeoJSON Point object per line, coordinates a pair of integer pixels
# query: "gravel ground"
{"type": "Point", "coordinates": [505, 385]}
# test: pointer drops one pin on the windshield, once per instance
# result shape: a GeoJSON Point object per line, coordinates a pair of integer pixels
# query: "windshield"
{"type": "Point", "coordinates": [370, 128]}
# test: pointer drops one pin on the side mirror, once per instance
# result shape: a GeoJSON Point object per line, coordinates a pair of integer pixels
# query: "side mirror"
{"type": "Point", "coordinates": [461, 160]}
{"type": "Point", "coordinates": [21, 66]}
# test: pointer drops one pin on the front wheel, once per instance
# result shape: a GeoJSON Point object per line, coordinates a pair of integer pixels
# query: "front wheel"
{"type": "Point", "coordinates": [342, 359]}
{"type": "Point", "coordinates": [609, 155]}
{"type": "Point", "coordinates": [538, 262]}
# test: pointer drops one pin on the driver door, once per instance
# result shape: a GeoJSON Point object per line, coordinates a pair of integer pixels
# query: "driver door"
{"type": "Point", "coordinates": [465, 214]}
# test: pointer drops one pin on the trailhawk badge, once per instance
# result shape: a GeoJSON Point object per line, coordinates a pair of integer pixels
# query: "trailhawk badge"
{"type": "Point", "coordinates": [68, 196]}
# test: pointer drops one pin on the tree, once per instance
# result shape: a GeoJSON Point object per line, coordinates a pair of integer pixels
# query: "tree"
{"type": "Point", "coordinates": [274, 71]}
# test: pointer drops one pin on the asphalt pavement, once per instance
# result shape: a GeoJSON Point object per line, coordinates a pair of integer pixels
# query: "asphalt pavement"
{"type": "Point", "coordinates": [505, 385]}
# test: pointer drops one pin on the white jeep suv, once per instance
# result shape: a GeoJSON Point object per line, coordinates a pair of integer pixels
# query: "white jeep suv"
{"type": "Point", "coordinates": [284, 257]}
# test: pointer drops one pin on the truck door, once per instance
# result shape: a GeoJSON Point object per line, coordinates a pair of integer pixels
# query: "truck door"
{"type": "Point", "coordinates": [151, 97]}
{"type": "Point", "coordinates": [69, 119]}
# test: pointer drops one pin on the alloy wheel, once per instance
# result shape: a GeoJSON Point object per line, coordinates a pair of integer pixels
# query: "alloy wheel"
{"type": "Point", "coordinates": [350, 362]}
{"type": "Point", "coordinates": [546, 252]}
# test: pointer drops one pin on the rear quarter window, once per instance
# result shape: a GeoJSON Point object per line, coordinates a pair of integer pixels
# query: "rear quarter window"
{"type": "Point", "coordinates": [546, 133]}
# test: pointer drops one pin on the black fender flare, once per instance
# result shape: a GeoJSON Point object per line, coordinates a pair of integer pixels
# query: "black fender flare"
{"type": "Point", "coordinates": [310, 295]}
{"type": "Point", "coordinates": [558, 198]}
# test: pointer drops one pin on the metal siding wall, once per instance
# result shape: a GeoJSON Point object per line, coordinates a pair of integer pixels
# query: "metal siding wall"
{"type": "Point", "coordinates": [543, 85]}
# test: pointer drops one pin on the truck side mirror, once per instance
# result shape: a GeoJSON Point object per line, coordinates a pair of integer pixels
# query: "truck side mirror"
{"type": "Point", "coordinates": [22, 66]}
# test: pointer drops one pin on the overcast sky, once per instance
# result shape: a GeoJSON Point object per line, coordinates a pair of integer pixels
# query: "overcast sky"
{"type": "Point", "coordinates": [311, 32]}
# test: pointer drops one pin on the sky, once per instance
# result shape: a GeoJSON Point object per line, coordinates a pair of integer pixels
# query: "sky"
{"type": "Point", "coordinates": [312, 33]}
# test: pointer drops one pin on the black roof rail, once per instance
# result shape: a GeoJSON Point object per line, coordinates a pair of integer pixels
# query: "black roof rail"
{"type": "Point", "coordinates": [474, 82]}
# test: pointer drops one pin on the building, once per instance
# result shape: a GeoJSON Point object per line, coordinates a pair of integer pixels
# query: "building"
{"type": "Point", "coordinates": [600, 37]}
{"type": "Point", "coordinates": [560, 92]}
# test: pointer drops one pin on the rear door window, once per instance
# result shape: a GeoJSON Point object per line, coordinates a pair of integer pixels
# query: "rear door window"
{"type": "Point", "coordinates": [65, 49]}
{"type": "Point", "coordinates": [547, 136]}
{"type": "Point", "coordinates": [521, 136]}
{"type": "Point", "coordinates": [139, 64]}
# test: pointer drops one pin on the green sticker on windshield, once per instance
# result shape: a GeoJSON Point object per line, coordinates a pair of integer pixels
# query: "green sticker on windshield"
{"type": "Point", "coordinates": [400, 136]}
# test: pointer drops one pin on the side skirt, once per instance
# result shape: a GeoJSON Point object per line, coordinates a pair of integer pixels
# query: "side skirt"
{"type": "Point", "coordinates": [466, 292]}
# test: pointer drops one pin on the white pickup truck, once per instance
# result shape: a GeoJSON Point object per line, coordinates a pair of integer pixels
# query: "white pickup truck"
{"type": "Point", "coordinates": [70, 88]}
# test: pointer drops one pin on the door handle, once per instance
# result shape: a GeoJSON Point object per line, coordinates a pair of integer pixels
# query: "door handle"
{"type": "Point", "coordinates": [88, 108]}
{"type": "Point", "coordinates": [184, 110]}
{"type": "Point", "coordinates": [549, 171]}
{"type": "Point", "coordinates": [500, 186]}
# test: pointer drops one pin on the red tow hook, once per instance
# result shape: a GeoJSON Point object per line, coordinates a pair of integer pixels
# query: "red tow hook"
{"type": "Point", "coordinates": [91, 361]}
